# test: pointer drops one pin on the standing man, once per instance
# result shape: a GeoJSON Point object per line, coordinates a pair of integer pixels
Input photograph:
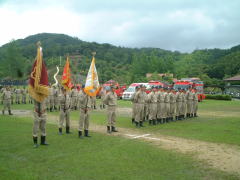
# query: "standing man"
{"type": "Point", "coordinates": [189, 96]}
{"type": "Point", "coordinates": [40, 117]}
{"type": "Point", "coordinates": [195, 103]}
{"type": "Point", "coordinates": [184, 104]}
{"type": "Point", "coordinates": [18, 95]}
{"type": "Point", "coordinates": [24, 95]}
{"type": "Point", "coordinates": [102, 95]}
{"type": "Point", "coordinates": [179, 102]}
{"type": "Point", "coordinates": [167, 104]}
{"type": "Point", "coordinates": [74, 100]}
{"type": "Point", "coordinates": [161, 106]}
{"type": "Point", "coordinates": [139, 99]}
{"type": "Point", "coordinates": [111, 101]}
{"type": "Point", "coordinates": [51, 98]}
{"type": "Point", "coordinates": [64, 111]}
{"type": "Point", "coordinates": [85, 107]}
{"type": "Point", "coordinates": [152, 99]}
{"type": "Point", "coordinates": [134, 104]}
{"type": "Point", "coordinates": [172, 105]}
{"type": "Point", "coordinates": [6, 98]}
{"type": "Point", "coordinates": [56, 98]}
{"type": "Point", "coordinates": [93, 100]}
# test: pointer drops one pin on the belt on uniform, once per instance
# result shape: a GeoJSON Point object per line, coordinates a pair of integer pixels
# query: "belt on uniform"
{"type": "Point", "coordinates": [42, 112]}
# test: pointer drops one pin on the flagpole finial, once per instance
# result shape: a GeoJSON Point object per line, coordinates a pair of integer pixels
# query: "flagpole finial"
{"type": "Point", "coordinates": [38, 44]}
{"type": "Point", "coordinates": [94, 53]}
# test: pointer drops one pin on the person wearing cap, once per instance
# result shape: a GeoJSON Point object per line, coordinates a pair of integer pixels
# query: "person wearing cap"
{"type": "Point", "coordinates": [74, 98]}
{"type": "Point", "coordinates": [134, 104]}
{"type": "Point", "coordinates": [111, 101]}
{"type": "Point", "coordinates": [146, 106]}
{"type": "Point", "coordinates": [40, 118]}
{"type": "Point", "coordinates": [24, 95]}
{"type": "Point", "coordinates": [189, 96]}
{"type": "Point", "coordinates": [18, 95]}
{"type": "Point", "coordinates": [6, 98]}
{"type": "Point", "coordinates": [167, 104]}
{"type": "Point", "coordinates": [161, 118]}
{"type": "Point", "coordinates": [140, 99]}
{"type": "Point", "coordinates": [85, 107]}
{"type": "Point", "coordinates": [184, 104]}
{"type": "Point", "coordinates": [195, 103]}
{"type": "Point", "coordinates": [172, 104]}
{"type": "Point", "coordinates": [93, 102]}
{"type": "Point", "coordinates": [64, 100]}
{"type": "Point", "coordinates": [102, 96]}
{"type": "Point", "coordinates": [179, 102]}
{"type": "Point", "coordinates": [152, 99]}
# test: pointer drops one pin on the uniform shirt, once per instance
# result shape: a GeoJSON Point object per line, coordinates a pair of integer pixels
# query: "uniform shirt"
{"type": "Point", "coordinates": [56, 92]}
{"type": "Point", "coordinates": [6, 95]}
{"type": "Point", "coordinates": [102, 93]}
{"type": "Point", "coordinates": [110, 99]}
{"type": "Point", "coordinates": [24, 91]}
{"type": "Point", "coordinates": [51, 92]}
{"type": "Point", "coordinates": [161, 97]}
{"type": "Point", "coordinates": [40, 107]}
{"type": "Point", "coordinates": [84, 100]}
{"type": "Point", "coordinates": [184, 97]}
{"type": "Point", "coordinates": [195, 96]}
{"type": "Point", "coordinates": [140, 97]}
{"type": "Point", "coordinates": [74, 93]}
{"type": "Point", "coordinates": [152, 97]}
{"type": "Point", "coordinates": [64, 101]}
{"type": "Point", "coordinates": [189, 95]}
{"type": "Point", "coordinates": [18, 91]}
{"type": "Point", "coordinates": [167, 98]}
{"type": "Point", "coordinates": [172, 98]}
{"type": "Point", "coordinates": [179, 97]}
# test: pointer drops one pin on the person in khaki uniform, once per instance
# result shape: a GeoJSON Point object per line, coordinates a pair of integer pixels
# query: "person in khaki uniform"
{"type": "Point", "coordinates": [189, 96]}
{"type": "Point", "coordinates": [146, 106]}
{"type": "Point", "coordinates": [40, 117]}
{"type": "Point", "coordinates": [111, 101]}
{"type": "Point", "coordinates": [184, 104]}
{"type": "Point", "coordinates": [6, 98]}
{"type": "Point", "coordinates": [51, 98]}
{"type": "Point", "coordinates": [140, 99]}
{"type": "Point", "coordinates": [172, 104]}
{"type": "Point", "coordinates": [12, 91]}
{"type": "Point", "coordinates": [56, 98]}
{"type": "Point", "coordinates": [85, 106]}
{"type": "Point", "coordinates": [195, 103]}
{"type": "Point", "coordinates": [93, 101]}
{"type": "Point", "coordinates": [102, 95]}
{"type": "Point", "coordinates": [24, 95]}
{"type": "Point", "coordinates": [179, 102]}
{"type": "Point", "coordinates": [18, 95]}
{"type": "Point", "coordinates": [133, 104]}
{"type": "Point", "coordinates": [161, 106]}
{"type": "Point", "coordinates": [167, 105]}
{"type": "Point", "coordinates": [152, 100]}
{"type": "Point", "coordinates": [74, 98]}
{"type": "Point", "coordinates": [64, 111]}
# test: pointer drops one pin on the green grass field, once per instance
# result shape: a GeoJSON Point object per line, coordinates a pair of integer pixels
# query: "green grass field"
{"type": "Point", "coordinates": [100, 157]}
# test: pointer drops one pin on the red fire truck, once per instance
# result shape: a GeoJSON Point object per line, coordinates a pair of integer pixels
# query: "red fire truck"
{"type": "Point", "coordinates": [196, 83]}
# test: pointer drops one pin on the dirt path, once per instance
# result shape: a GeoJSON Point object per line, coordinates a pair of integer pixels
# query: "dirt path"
{"type": "Point", "coordinates": [220, 156]}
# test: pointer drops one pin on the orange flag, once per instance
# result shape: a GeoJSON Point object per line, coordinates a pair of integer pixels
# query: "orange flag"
{"type": "Point", "coordinates": [66, 77]}
{"type": "Point", "coordinates": [38, 81]}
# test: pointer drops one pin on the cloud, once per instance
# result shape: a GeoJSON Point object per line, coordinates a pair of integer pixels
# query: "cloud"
{"type": "Point", "coordinates": [174, 25]}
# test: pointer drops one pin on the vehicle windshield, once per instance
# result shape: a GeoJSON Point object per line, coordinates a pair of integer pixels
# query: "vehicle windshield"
{"type": "Point", "coordinates": [180, 86]}
{"type": "Point", "coordinates": [130, 89]}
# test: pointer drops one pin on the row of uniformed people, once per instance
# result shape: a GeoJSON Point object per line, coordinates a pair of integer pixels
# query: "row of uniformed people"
{"type": "Point", "coordinates": [18, 94]}
{"type": "Point", "coordinates": [163, 105]}
{"type": "Point", "coordinates": [85, 106]}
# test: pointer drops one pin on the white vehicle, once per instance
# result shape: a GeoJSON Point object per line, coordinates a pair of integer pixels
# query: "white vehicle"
{"type": "Point", "coordinates": [127, 94]}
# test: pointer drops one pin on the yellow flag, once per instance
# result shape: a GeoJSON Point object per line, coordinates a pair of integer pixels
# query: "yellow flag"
{"type": "Point", "coordinates": [92, 86]}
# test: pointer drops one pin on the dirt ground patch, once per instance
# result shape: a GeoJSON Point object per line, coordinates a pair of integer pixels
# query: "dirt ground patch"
{"type": "Point", "coordinates": [220, 156]}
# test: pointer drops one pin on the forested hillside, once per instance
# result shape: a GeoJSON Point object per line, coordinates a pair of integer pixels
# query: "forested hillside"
{"type": "Point", "coordinates": [122, 64]}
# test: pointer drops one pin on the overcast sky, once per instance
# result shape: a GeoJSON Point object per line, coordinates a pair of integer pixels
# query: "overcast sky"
{"type": "Point", "coordinates": [182, 25]}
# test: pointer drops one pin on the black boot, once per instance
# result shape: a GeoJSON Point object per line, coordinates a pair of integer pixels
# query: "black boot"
{"type": "Point", "coordinates": [35, 144]}
{"type": "Point", "coordinates": [86, 133]}
{"type": "Point", "coordinates": [9, 112]}
{"type": "Point", "coordinates": [51, 109]}
{"type": "Point", "coordinates": [114, 129]}
{"type": "Point", "coordinates": [195, 115]}
{"type": "Point", "coordinates": [108, 129]}
{"type": "Point", "coordinates": [137, 124]}
{"type": "Point", "coordinates": [3, 112]}
{"type": "Point", "coordinates": [100, 106]}
{"type": "Point", "coordinates": [133, 120]}
{"type": "Point", "coordinates": [154, 122]}
{"type": "Point", "coordinates": [75, 107]}
{"type": "Point", "coordinates": [80, 134]}
{"type": "Point", "coordinates": [60, 131]}
{"type": "Point", "coordinates": [95, 107]}
{"type": "Point", "coordinates": [141, 124]}
{"type": "Point", "coordinates": [150, 122]}
{"type": "Point", "coordinates": [43, 140]}
{"type": "Point", "coordinates": [158, 121]}
{"type": "Point", "coordinates": [103, 106]}
{"type": "Point", "coordinates": [68, 130]}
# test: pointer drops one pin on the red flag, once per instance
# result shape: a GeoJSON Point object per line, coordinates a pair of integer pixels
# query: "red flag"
{"type": "Point", "coordinates": [66, 77]}
{"type": "Point", "coordinates": [38, 81]}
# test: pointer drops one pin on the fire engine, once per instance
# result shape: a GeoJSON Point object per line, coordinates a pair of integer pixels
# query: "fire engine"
{"type": "Point", "coordinates": [119, 89]}
{"type": "Point", "coordinates": [186, 83]}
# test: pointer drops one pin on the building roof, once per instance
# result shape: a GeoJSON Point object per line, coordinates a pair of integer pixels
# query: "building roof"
{"type": "Point", "coordinates": [234, 78]}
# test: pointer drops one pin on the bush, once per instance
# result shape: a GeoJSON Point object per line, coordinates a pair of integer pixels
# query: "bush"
{"type": "Point", "coordinates": [219, 97]}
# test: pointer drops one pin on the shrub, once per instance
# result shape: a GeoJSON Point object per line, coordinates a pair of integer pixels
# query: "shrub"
{"type": "Point", "coordinates": [219, 97]}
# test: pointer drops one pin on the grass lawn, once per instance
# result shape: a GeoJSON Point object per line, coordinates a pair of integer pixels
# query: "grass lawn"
{"type": "Point", "coordinates": [100, 157]}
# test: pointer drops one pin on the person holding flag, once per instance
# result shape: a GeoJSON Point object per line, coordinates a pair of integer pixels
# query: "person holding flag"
{"type": "Point", "coordinates": [39, 90]}
{"type": "Point", "coordinates": [90, 89]}
{"type": "Point", "coordinates": [65, 101]}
